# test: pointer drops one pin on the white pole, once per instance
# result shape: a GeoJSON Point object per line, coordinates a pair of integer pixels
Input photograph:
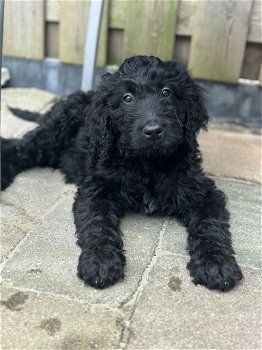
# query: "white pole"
{"type": "Point", "coordinates": [1, 38]}
{"type": "Point", "coordinates": [91, 43]}
{"type": "Point", "coordinates": [1, 28]}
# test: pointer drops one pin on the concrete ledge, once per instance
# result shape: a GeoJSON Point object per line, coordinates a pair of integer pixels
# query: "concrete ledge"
{"type": "Point", "coordinates": [231, 154]}
{"type": "Point", "coordinates": [48, 74]}
{"type": "Point", "coordinates": [234, 103]}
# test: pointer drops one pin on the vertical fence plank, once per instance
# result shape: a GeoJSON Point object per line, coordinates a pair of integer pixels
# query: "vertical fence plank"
{"type": "Point", "coordinates": [73, 19]}
{"type": "Point", "coordinates": [150, 28]}
{"type": "Point", "coordinates": [24, 29]}
{"type": "Point", "coordinates": [218, 39]}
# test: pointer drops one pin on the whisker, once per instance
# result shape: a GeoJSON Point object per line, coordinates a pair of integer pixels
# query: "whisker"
{"type": "Point", "coordinates": [179, 122]}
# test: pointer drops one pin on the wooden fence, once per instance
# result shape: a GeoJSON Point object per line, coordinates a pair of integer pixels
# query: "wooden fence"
{"type": "Point", "coordinates": [218, 40]}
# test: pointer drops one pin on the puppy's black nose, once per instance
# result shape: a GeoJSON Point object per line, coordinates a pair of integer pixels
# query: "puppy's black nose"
{"type": "Point", "coordinates": [153, 132]}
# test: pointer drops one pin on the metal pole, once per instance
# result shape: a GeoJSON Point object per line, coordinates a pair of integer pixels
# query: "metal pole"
{"type": "Point", "coordinates": [91, 43]}
{"type": "Point", "coordinates": [1, 37]}
{"type": "Point", "coordinates": [1, 28]}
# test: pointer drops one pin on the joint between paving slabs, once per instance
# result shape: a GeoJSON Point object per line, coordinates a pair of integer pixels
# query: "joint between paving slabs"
{"type": "Point", "coordinates": [58, 201]}
{"type": "Point", "coordinates": [36, 222]}
{"type": "Point", "coordinates": [151, 263]}
{"type": "Point", "coordinates": [9, 284]}
{"type": "Point", "coordinates": [129, 305]}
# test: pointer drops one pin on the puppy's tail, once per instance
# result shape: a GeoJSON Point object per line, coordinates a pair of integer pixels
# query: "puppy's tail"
{"type": "Point", "coordinates": [27, 115]}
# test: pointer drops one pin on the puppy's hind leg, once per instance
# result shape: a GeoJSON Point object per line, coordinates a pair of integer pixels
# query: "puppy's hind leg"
{"type": "Point", "coordinates": [8, 161]}
{"type": "Point", "coordinates": [45, 145]}
{"type": "Point", "coordinates": [42, 147]}
{"type": "Point", "coordinates": [18, 155]}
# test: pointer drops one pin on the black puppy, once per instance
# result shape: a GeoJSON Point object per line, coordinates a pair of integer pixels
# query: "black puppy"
{"type": "Point", "coordinates": [131, 146]}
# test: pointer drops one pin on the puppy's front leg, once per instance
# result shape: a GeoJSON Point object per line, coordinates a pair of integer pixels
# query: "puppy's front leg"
{"type": "Point", "coordinates": [212, 260]}
{"type": "Point", "coordinates": [97, 210]}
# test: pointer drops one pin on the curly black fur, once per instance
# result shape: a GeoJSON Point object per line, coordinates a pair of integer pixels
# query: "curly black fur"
{"type": "Point", "coordinates": [131, 146]}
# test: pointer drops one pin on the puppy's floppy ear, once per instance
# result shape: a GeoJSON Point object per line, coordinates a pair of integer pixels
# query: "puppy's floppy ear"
{"type": "Point", "coordinates": [196, 114]}
{"type": "Point", "coordinates": [196, 117]}
{"type": "Point", "coordinates": [100, 128]}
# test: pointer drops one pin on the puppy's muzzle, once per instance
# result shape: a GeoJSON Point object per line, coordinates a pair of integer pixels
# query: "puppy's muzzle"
{"type": "Point", "coordinates": [153, 132]}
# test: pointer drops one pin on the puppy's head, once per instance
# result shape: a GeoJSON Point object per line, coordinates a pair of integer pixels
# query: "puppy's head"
{"type": "Point", "coordinates": [154, 106]}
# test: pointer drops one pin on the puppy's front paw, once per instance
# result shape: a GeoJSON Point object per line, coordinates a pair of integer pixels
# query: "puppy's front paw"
{"type": "Point", "coordinates": [222, 274]}
{"type": "Point", "coordinates": [101, 267]}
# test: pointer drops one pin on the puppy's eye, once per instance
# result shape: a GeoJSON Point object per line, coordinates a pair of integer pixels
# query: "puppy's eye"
{"type": "Point", "coordinates": [166, 92]}
{"type": "Point", "coordinates": [127, 98]}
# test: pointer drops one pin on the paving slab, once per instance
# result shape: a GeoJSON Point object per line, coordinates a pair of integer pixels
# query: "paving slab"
{"type": "Point", "coordinates": [35, 191]}
{"type": "Point", "coordinates": [47, 259]}
{"type": "Point", "coordinates": [24, 98]}
{"type": "Point", "coordinates": [244, 204]}
{"type": "Point", "coordinates": [38, 321]}
{"type": "Point", "coordinates": [15, 224]}
{"type": "Point", "coordinates": [173, 313]}
{"type": "Point", "coordinates": [10, 237]}
{"type": "Point", "coordinates": [232, 154]}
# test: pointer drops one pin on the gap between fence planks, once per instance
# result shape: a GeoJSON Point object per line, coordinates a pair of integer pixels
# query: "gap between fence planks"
{"type": "Point", "coordinates": [219, 39]}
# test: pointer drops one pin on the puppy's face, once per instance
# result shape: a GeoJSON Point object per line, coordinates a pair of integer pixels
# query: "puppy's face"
{"type": "Point", "coordinates": [148, 105]}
